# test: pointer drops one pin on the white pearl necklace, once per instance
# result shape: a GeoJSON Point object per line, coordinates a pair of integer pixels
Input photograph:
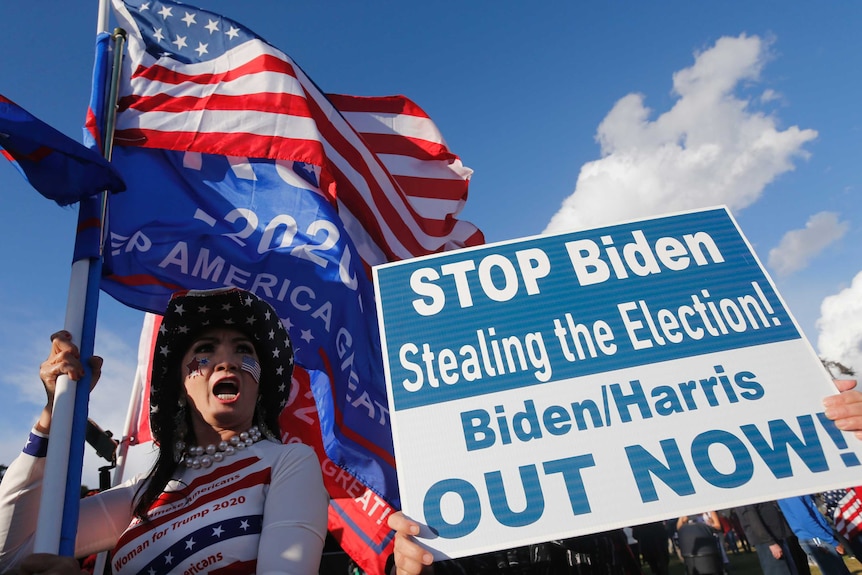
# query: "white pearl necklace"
{"type": "Point", "coordinates": [197, 457]}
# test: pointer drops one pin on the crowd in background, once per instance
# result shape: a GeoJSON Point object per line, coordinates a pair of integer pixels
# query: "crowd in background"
{"type": "Point", "coordinates": [813, 531]}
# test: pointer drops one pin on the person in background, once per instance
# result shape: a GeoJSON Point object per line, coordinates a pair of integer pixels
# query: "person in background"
{"type": "Point", "coordinates": [224, 494]}
{"type": "Point", "coordinates": [771, 536]}
{"type": "Point", "coordinates": [653, 542]}
{"type": "Point", "coordinates": [604, 553]}
{"type": "Point", "coordinates": [738, 531]}
{"type": "Point", "coordinates": [814, 534]}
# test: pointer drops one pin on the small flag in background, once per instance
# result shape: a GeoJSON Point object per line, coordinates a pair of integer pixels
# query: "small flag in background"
{"type": "Point", "coordinates": [57, 166]}
{"type": "Point", "coordinates": [844, 508]}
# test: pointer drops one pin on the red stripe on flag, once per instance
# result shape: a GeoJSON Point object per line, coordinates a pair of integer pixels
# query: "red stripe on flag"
{"type": "Point", "coordinates": [284, 104]}
{"type": "Point", "coordinates": [432, 189]}
{"type": "Point", "coordinates": [360, 205]}
{"type": "Point", "coordinates": [36, 155]}
{"type": "Point", "coordinates": [89, 224]}
{"type": "Point", "coordinates": [379, 104]}
{"type": "Point", "coordinates": [407, 146]}
{"type": "Point", "coordinates": [227, 144]}
{"type": "Point", "coordinates": [142, 280]}
{"type": "Point", "coordinates": [257, 65]}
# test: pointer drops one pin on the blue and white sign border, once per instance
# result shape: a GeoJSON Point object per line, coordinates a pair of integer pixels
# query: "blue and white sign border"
{"type": "Point", "coordinates": [560, 385]}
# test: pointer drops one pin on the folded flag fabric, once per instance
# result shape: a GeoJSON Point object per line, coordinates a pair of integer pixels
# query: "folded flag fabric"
{"type": "Point", "coordinates": [57, 166]}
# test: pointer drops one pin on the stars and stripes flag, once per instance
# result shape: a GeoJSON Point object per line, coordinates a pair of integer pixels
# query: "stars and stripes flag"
{"type": "Point", "coordinates": [203, 83]}
{"type": "Point", "coordinates": [242, 172]}
{"type": "Point", "coordinates": [844, 508]}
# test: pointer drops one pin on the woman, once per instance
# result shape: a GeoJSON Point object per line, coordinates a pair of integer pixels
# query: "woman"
{"type": "Point", "coordinates": [844, 408]}
{"type": "Point", "coordinates": [224, 493]}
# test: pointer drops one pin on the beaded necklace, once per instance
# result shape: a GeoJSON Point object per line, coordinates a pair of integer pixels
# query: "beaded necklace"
{"type": "Point", "coordinates": [197, 457]}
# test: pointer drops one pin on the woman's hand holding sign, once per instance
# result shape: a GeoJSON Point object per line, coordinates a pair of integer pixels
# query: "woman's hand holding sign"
{"type": "Point", "coordinates": [845, 408]}
{"type": "Point", "coordinates": [410, 557]}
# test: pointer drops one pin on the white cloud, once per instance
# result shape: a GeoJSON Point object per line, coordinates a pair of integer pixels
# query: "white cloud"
{"type": "Point", "coordinates": [840, 326]}
{"type": "Point", "coordinates": [769, 95]}
{"type": "Point", "coordinates": [798, 247]}
{"type": "Point", "coordinates": [710, 148]}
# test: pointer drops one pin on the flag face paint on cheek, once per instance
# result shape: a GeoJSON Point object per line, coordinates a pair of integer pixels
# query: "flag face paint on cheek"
{"type": "Point", "coordinates": [195, 365]}
{"type": "Point", "coordinates": [251, 365]}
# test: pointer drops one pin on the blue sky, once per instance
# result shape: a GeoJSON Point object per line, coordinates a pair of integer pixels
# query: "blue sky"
{"type": "Point", "coordinates": [569, 113]}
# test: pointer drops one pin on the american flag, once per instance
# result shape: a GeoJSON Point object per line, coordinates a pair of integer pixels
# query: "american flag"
{"type": "Point", "coordinates": [199, 82]}
{"type": "Point", "coordinates": [212, 120]}
{"type": "Point", "coordinates": [844, 508]}
{"type": "Point", "coordinates": [251, 365]}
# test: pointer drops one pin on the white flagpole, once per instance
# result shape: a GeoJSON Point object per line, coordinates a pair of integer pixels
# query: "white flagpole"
{"type": "Point", "coordinates": [47, 538]}
{"type": "Point", "coordinates": [80, 315]}
{"type": "Point", "coordinates": [103, 18]}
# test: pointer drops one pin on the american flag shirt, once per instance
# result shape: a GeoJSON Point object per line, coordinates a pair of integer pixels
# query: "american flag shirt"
{"type": "Point", "coordinates": [262, 510]}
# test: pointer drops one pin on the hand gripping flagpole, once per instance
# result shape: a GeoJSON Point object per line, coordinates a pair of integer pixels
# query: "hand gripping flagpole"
{"type": "Point", "coordinates": [56, 532]}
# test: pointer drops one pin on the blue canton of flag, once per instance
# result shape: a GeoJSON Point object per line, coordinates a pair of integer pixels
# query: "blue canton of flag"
{"type": "Point", "coordinates": [58, 167]}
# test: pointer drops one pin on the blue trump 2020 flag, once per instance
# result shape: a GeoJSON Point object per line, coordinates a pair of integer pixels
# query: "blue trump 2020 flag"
{"type": "Point", "coordinates": [57, 166]}
{"type": "Point", "coordinates": [242, 172]}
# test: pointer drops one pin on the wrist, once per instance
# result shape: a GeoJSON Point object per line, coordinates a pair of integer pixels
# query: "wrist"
{"type": "Point", "coordinates": [43, 424]}
{"type": "Point", "coordinates": [37, 443]}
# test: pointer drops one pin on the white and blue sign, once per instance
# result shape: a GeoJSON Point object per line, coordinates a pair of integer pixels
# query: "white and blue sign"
{"type": "Point", "coordinates": [569, 384]}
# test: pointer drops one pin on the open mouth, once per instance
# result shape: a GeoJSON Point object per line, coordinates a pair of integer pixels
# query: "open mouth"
{"type": "Point", "coordinates": [226, 390]}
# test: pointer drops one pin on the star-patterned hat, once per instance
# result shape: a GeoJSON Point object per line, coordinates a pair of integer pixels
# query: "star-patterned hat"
{"type": "Point", "coordinates": [191, 312]}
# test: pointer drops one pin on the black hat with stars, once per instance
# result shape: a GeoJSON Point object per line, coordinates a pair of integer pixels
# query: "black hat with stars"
{"type": "Point", "coordinates": [191, 312]}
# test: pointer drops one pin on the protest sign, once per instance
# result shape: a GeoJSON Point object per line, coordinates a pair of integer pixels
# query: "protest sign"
{"type": "Point", "coordinates": [560, 385]}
